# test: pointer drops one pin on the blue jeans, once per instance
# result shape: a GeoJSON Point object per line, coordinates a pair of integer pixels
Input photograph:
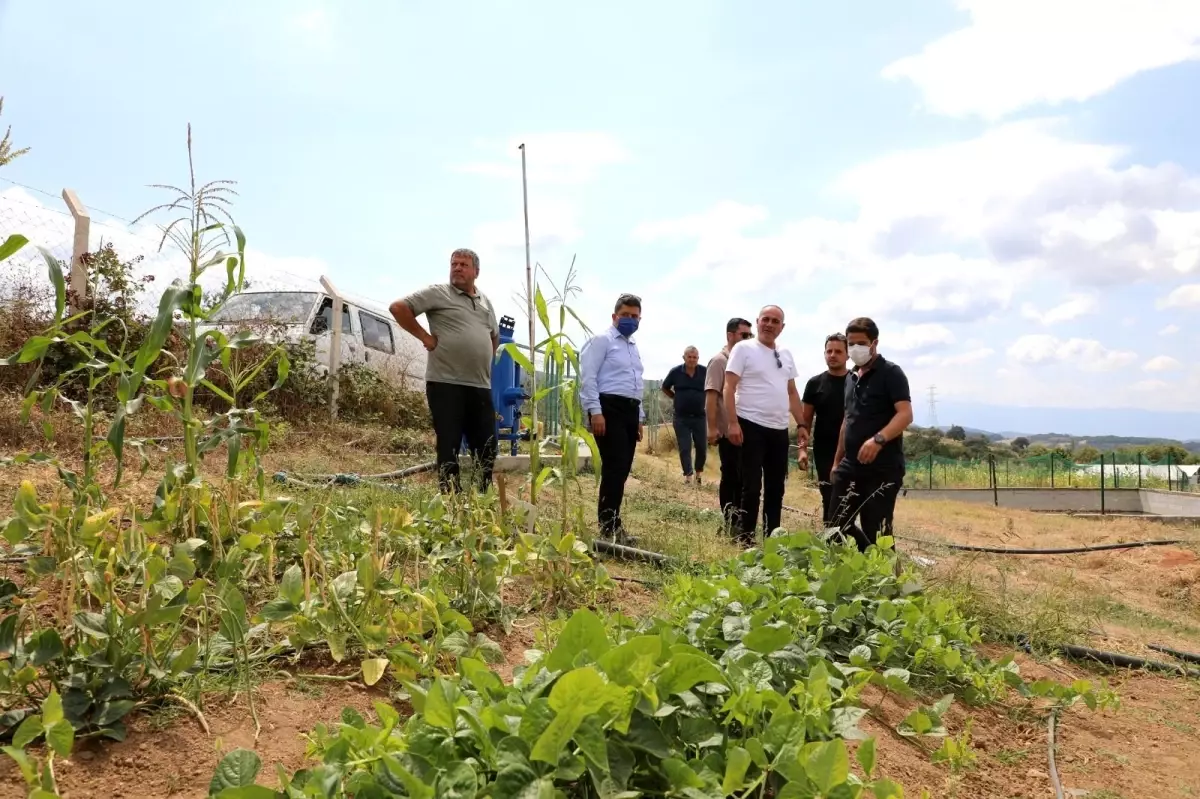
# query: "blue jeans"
{"type": "Point", "coordinates": [689, 431]}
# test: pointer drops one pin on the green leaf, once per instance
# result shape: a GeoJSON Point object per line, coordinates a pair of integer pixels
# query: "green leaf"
{"type": "Point", "coordinates": [279, 609]}
{"type": "Point", "coordinates": [766, 640]}
{"type": "Point", "coordinates": [92, 624]}
{"type": "Point", "coordinates": [56, 280]}
{"type": "Point", "coordinates": [12, 245]}
{"type": "Point", "coordinates": [583, 640]}
{"type": "Point", "coordinates": [886, 789]}
{"type": "Point", "coordinates": [827, 764]}
{"type": "Point", "coordinates": [686, 670]}
{"type": "Point", "coordinates": [373, 669]}
{"type": "Point", "coordinates": [52, 708]}
{"type": "Point", "coordinates": [518, 356]}
{"type": "Point", "coordinates": [632, 662]}
{"type": "Point", "coordinates": [28, 732]}
{"type": "Point", "coordinates": [395, 773]}
{"type": "Point", "coordinates": [519, 781]}
{"type": "Point", "coordinates": [238, 769]}
{"type": "Point", "coordinates": [737, 763]}
{"type": "Point", "coordinates": [292, 586]}
{"type": "Point", "coordinates": [457, 782]}
{"type": "Point", "coordinates": [866, 756]}
{"type": "Point", "coordinates": [185, 659]}
{"type": "Point", "coordinates": [61, 737]}
{"type": "Point", "coordinates": [439, 704]}
{"type": "Point", "coordinates": [575, 695]}
{"type": "Point", "coordinates": [247, 792]}
{"type": "Point", "coordinates": [918, 722]}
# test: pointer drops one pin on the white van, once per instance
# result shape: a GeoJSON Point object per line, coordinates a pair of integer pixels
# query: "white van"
{"type": "Point", "coordinates": [370, 336]}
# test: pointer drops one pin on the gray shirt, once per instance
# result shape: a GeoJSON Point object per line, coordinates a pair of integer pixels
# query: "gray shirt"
{"type": "Point", "coordinates": [464, 326]}
{"type": "Point", "coordinates": [714, 380]}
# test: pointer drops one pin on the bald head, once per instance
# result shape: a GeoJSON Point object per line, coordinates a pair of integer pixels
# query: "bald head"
{"type": "Point", "coordinates": [770, 324]}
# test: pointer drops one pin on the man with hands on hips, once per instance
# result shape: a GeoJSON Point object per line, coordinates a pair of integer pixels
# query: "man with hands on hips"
{"type": "Point", "coordinates": [869, 461]}
{"type": "Point", "coordinates": [462, 342]}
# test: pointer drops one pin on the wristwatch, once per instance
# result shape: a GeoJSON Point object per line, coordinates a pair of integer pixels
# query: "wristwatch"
{"type": "Point", "coordinates": [879, 439]}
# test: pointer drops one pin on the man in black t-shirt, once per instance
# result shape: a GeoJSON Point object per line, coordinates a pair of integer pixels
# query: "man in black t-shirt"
{"type": "Point", "coordinates": [825, 397]}
{"type": "Point", "coordinates": [685, 385]}
{"type": "Point", "coordinates": [870, 455]}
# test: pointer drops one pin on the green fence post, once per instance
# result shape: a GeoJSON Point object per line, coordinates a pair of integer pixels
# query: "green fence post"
{"type": "Point", "coordinates": [1052, 470]}
{"type": "Point", "coordinates": [1139, 465]}
{"type": "Point", "coordinates": [1101, 485]}
{"type": "Point", "coordinates": [1116, 477]}
{"type": "Point", "coordinates": [1169, 470]}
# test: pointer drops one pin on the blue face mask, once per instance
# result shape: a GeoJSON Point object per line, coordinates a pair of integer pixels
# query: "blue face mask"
{"type": "Point", "coordinates": [626, 326]}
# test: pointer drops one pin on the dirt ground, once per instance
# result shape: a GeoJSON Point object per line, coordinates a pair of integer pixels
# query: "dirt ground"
{"type": "Point", "coordinates": [1146, 748]}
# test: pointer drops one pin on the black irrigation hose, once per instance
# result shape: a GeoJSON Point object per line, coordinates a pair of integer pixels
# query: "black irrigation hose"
{"type": "Point", "coordinates": [1053, 551]}
{"type": "Point", "coordinates": [1086, 653]}
{"type": "Point", "coordinates": [1190, 657]}
{"type": "Point", "coordinates": [605, 547]}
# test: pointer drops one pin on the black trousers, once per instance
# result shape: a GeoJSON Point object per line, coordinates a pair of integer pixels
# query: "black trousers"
{"type": "Point", "coordinates": [458, 412]}
{"type": "Point", "coordinates": [823, 463]}
{"type": "Point", "coordinates": [868, 496]}
{"type": "Point", "coordinates": [617, 447]}
{"type": "Point", "coordinates": [729, 491]}
{"type": "Point", "coordinates": [691, 432]}
{"type": "Point", "coordinates": [764, 468]}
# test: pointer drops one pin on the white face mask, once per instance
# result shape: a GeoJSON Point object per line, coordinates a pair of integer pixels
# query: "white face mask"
{"type": "Point", "coordinates": [859, 354]}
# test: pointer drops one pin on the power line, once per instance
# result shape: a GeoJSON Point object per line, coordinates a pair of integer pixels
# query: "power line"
{"type": "Point", "coordinates": [58, 197]}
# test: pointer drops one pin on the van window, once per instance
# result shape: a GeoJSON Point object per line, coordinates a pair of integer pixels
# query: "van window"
{"type": "Point", "coordinates": [377, 334]}
{"type": "Point", "coordinates": [321, 322]}
{"type": "Point", "coordinates": [282, 307]}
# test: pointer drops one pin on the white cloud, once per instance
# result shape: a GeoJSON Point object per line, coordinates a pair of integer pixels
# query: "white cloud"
{"type": "Point", "coordinates": [967, 358]}
{"type": "Point", "coordinates": [1018, 53]}
{"type": "Point", "coordinates": [1088, 355]}
{"type": "Point", "coordinates": [1150, 386]}
{"type": "Point", "coordinates": [1169, 330]}
{"type": "Point", "coordinates": [1072, 308]}
{"type": "Point", "coordinates": [1183, 297]}
{"type": "Point", "coordinates": [920, 337]}
{"type": "Point", "coordinates": [1162, 363]}
{"type": "Point", "coordinates": [569, 158]}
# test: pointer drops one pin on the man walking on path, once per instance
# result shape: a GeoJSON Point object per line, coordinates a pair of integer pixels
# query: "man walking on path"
{"type": "Point", "coordinates": [462, 339]}
{"type": "Point", "coordinates": [685, 386]}
{"type": "Point", "coordinates": [825, 397]}
{"type": "Point", "coordinates": [760, 390]}
{"type": "Point", "coordinates": [610, 390]}
{"type": "Point", "coordinates": [729, 491]}
{"type": "Point", "coordinates": [869, 461]}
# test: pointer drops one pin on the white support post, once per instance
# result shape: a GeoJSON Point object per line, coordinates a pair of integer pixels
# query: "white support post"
{"type": "Point", "coordinates": [79, 249]}
{"type": "Point", "coordinates": [335, 346]}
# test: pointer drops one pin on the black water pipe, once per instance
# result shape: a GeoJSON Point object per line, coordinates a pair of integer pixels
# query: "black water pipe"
{"type": "Point", "coordinates": [1055, 551]}
{"type": "Point", "coordinates": [1126, 661]}
{"type": "Point", "coordinates": [605, 547]}
{"type": "Point", "coordinates": [1190, 657]}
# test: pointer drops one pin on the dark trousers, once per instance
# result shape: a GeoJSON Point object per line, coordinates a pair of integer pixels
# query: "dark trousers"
{"type": "Point", "coordinates": [824, 467]}
{"type": "Point", "coordinates": [617, 447]}
{"type": "Point", "coordinates": [691, 431]}
{"type": "Point", "coordinates": [729, 491]}
{"type": "Point", "coordinates": [869, 497]}
{"type": "Point", "coordinates": [764, 468]}
{"type": "Point", "coordinates": [458, 412]}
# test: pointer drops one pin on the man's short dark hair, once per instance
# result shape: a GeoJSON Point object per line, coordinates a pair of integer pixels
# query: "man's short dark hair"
{"type": "Point", "coordinates": [865, 325]}
{"type": "Point", "coordinates": [733, 324]}
{"type": "Point", "coordinates": [628, 301]}
{"type": "Point", "coordinates": [836, 337]}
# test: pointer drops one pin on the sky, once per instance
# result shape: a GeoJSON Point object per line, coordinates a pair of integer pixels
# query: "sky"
{"type": "Point", "coordinates": [1010, 188]}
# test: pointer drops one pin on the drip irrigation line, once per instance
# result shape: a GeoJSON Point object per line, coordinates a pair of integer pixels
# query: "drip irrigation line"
{"type": "Point", "coordinates": [1190, 657]}
{"type": "Point", "coordinates": [1051, 551]}
{"type": "Point", "coordinates": [1088, 654]}
{"type": "Point", "coordinates": [1051, 724]}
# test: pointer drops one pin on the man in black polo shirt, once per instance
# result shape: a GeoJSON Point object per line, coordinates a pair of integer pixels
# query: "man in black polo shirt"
{"type": "Point", "coordinates": [685, 386]}
{"type": "Point", "coordinates": [870, 455]}
{"type": "Point", "coordinates": [825, 398]}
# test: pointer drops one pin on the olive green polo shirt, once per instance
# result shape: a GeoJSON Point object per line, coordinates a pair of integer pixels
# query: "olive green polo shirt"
{"type": "Point", "coordinates": [464, 326]}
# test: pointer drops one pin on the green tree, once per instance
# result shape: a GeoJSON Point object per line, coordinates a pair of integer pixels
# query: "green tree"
{"type": "Point", "coordinates": [956, 433]}
{"type": "Point", "coordinates": [7, 153]}
{"type": "Point", "coordinates": [1086, 454]}
{"type": "Point", "coordinates": [1020, 444]}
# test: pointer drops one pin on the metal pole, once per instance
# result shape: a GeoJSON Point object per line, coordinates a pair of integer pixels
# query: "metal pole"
{"type": "Point", "coordinates": [1102, 485]}
{"type": "Point", "coordinates": [1052, 470]}
{"type": "Point", "coordinates": [1169, 470]}
{"type": "Point", "coordinates": [1139, 463]}
{"type": "Point", "coordinates": [1116, 476]}
{"type": "Point", "coordinates": [533, 420]}
{"type": "Point", "coordinates": [992, 470]}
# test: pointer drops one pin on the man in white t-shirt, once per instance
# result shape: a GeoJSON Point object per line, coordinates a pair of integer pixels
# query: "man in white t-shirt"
{"type": "Point", "coordinates": [760, 391]}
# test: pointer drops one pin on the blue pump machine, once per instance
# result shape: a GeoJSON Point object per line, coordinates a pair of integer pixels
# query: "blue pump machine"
{"type": "Point", "coordinates": [507, 394]}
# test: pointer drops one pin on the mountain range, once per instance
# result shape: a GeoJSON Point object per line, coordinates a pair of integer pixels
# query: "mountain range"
{"type": "Point", "coordinates": [1104, 428]}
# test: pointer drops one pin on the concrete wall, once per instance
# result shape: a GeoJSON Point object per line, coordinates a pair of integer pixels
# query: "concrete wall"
{"type": "Point", "coordinates": [1084, 500]}
{"type": "Point", "coordinates": [1170, 503]}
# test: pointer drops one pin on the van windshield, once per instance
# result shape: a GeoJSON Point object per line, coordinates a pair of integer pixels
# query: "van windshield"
{"type": "Point", "coordinates": [280, 307]}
